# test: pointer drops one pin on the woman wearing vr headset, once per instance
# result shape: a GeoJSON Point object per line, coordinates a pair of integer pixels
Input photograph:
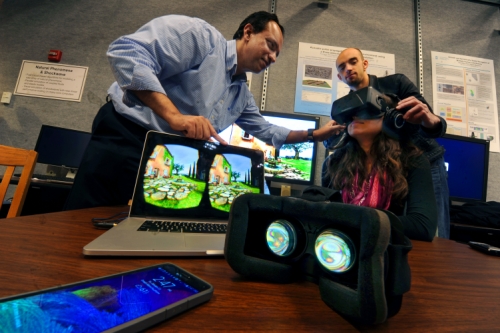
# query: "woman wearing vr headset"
{"type": "Point", "coordinates": [372, 168]}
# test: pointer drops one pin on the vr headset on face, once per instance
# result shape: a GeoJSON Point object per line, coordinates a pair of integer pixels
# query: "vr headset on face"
{"type": "Point", "coordinates": [366, 103]}
{"type": "Point", "coordinates": [357, 255]}
{"type": "Point", "coordinates": [369, 103]}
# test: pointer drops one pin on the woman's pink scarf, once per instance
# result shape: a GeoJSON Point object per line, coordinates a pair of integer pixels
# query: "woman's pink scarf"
{"type": "Point", "coordinates": [371, 194]}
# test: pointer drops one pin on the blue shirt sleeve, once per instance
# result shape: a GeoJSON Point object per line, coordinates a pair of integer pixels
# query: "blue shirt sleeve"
{"type": "Point", "coordinates": [254, 123]}
{"type": "Point", "coordinates": [160, 49]}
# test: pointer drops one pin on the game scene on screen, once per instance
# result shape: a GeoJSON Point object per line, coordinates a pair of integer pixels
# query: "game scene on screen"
{"type": "Point", "coordinates": [172, 178]}
{"type": "Point", "coordinates": [292, 161]}
{"type": "Point", "coordinates": [178, 177]}
{"type": "Point", "coordinates": [230, 176]}
{"type": "Point", "coordinates": [95, 306]}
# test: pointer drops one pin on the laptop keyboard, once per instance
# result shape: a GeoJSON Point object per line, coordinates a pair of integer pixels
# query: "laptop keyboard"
{"type": "Point", "coordinates": [49, 177]}
{"type": "Point", "coordinates": [194, 227]}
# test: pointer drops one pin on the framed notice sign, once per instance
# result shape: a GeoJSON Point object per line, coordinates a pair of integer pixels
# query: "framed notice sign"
{"type": "Point", "coordinates": [48, 80]}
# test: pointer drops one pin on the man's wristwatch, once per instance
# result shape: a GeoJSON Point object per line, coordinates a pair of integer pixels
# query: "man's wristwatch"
{"type": "Point", "coordinates": [310, 137]}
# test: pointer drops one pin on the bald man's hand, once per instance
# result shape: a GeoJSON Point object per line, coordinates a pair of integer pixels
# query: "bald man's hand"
{"type": "Point", "coordinates": [418, 112]}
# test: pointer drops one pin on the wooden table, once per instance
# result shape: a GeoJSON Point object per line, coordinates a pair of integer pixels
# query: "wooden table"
{"type": "Point", "coordinates": [454, 288]}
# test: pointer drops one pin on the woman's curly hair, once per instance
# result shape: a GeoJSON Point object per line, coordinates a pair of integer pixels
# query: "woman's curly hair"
{"type": "Point", "coordinates": [395, 157]}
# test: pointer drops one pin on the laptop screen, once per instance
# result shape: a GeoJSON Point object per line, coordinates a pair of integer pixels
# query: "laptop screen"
{"type": "Point", "coordinates": [182, 177]}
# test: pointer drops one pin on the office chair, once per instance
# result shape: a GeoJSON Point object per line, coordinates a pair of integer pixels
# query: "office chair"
{"type": "Point", "coordinates": [11, 158]}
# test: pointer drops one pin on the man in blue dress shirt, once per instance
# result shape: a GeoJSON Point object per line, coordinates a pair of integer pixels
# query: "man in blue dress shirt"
{"type": "Point", "coordinates": [179, 75]}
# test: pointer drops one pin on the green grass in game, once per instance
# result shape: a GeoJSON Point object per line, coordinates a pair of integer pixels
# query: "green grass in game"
{"type": "Point", "coordinates": [192, 200]}
{"type": "Point", "coordinates": [302, 165]}
{"type": "Point", "coordinates": [227, 207]}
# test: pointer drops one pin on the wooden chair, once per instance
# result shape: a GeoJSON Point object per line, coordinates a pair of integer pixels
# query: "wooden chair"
{"type": "Point", "coordinates": [11, 158]}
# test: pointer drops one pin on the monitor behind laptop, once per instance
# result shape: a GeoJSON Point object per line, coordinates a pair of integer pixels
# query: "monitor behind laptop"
{"type": "Point", "coordinates": [61, 146]}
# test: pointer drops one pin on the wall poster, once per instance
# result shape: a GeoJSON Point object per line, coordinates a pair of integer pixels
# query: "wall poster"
{"type": "Point", "coordinates": [465, 95]}
{"type": "Point", "coordinates": [317, 85]}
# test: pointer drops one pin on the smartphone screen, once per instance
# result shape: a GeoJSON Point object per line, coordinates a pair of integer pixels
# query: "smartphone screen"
{"type": "Point", "coordinates": [99, 304]}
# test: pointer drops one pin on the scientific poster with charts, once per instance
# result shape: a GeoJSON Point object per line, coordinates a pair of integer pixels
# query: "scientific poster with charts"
{"type": "Point", "coordinates": [465, 95]}
{"type": "Point", "coordinates": [318, 86]}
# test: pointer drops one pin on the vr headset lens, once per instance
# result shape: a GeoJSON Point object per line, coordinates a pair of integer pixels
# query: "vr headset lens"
{"type": "Point", "coordinates": [281, 238]}
{"type": "Point", "coordinates": [335, 251]}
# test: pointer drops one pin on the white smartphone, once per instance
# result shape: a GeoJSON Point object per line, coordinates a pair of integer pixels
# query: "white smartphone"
{"type": "Point", "coordinates": [126, 302]}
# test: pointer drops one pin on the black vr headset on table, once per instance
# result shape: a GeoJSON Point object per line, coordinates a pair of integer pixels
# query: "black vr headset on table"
{"type": "Point", "coordinates": [357, 255]}
{"type": "Point", "coordinates": [369, 103]}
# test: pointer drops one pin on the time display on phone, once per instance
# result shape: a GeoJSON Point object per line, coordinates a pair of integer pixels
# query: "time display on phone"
{"type": "Point", "coordinates": [159, 283]}
{"type": "Point", "coordinates": [96, 305]}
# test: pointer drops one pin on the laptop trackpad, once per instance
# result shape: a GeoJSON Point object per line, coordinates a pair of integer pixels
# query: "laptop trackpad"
{"type": "Point", "coordinates": [205, 241]}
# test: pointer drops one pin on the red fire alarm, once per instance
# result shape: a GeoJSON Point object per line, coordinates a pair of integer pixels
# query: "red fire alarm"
{"type": "Point", "coordinates": [55, 55]}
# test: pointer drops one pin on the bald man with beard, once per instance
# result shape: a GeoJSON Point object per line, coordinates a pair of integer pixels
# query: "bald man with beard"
{"type": "Point", "coordinates": [352, 70]}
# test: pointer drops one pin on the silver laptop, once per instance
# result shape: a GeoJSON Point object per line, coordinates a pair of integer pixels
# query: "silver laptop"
{"type": "Point", "coordinates": [182, 197]}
